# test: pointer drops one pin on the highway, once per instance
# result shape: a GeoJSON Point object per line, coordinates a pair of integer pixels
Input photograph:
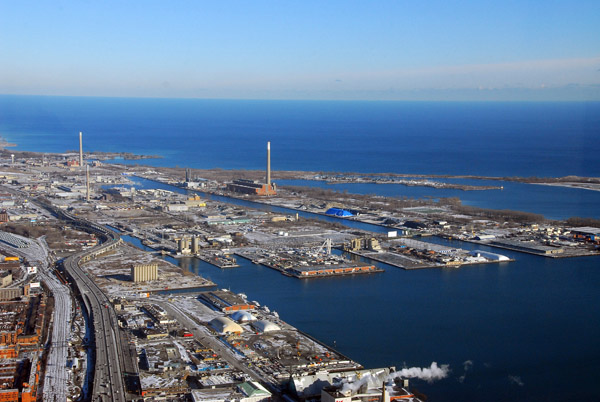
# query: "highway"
{"type": "Point", "coordinates": [108, 383]}
{"type": "Point", "coordinates": [108, 379]}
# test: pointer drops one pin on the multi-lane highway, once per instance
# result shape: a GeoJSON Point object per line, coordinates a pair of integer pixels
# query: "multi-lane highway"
{"type": "Point", "coordinates": [108, 377]}
{"type": "Point", "coordinates": [108, 382]}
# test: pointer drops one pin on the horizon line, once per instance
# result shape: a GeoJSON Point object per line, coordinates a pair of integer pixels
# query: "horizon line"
{"type": "Point", "coordinates": [308, 99]}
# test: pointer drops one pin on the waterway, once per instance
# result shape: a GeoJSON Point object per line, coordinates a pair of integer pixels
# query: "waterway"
{"type": "Point", "coordinates": [142, 183]}
{"type": "Point", "coordinates": [551, 201]}
{"type": "Point", "coordinates": [521, 331]}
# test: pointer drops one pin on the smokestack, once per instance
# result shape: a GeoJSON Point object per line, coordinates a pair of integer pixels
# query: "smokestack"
{"type": "Point", "coordinates": [269, 166]}
{"type": "Point", "coordinates": [87, 181]}
{"type": "Point", "coordinates": [80, 150]}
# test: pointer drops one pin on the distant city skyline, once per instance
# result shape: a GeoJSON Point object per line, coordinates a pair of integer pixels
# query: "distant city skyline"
{"type": "Point", "coordinates": [387, 50]}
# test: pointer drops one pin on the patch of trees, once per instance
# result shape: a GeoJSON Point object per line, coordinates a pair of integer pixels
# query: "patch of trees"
{"type": "Point", "coordinates": [577, 221]}
{"type": "Point", "coordinates": [500, 215]}
{"type": "Point", "coordinates": [53, 234]}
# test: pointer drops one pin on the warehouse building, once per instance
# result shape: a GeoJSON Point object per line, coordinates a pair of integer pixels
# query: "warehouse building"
{"type": "Point", "coordinates": [263, 326]}
{"type": "Point", "coordinates": [527, 247]}
{"type": "Point", "coordinates": [586, 233]}
{"type": "Point", "coordinates": [225, 301]}
{"type": "Point", "coordinates": [242, 316]}
{"type": "Point", "coordinates": [224, 325]}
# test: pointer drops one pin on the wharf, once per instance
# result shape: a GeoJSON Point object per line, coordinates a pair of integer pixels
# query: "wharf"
{"type": "Point", "coordinates": [395, 260]}
{"type": "Point", "coordinates": [407, 263]}
{"type": "Point", "coordinates": [328, 270]}
{"type": "Point", "coordinates": [542, 252]}
{"type": "Point", "coordinates": [218, 261]}
{"type": "Point", "coordinates": [302, 271]}
{"type": "Point", "coordinates": [192, 288]}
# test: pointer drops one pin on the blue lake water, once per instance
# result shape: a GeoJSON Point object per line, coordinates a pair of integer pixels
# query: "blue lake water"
{"type": "Point", "coordinates": [530, 327]}
{"type": "Point", "coordinates": [485, 138]}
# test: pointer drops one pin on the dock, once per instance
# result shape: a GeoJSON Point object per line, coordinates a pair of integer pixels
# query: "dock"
{"type": "Point", "coordinates": [218, 260]}
{"type": "Point", "coordinates": [302, 267]}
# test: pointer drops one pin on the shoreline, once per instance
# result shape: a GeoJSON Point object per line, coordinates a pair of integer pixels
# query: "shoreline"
{"type": "Point", "coordinates": [5, 144]}
{"type": "Point", "coordinates": [578, 186]}
{"type": "Point", "coordinates": [569, 181]}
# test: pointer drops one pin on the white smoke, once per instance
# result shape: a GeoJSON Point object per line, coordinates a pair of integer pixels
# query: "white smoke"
{"type": "Point", "coordinates": [429, 374]}
{"type": "Point", "coordinates": [467, 365]}
{"type": "Point", "coordinates": [515, 380]}
{"type": "Point", "coordinates": [355, 386]}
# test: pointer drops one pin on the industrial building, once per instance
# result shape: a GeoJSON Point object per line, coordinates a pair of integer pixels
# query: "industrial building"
{"type": "Point", "coordinates": [249, 391]}
{"type": "Point", "coordinates": [187, 245]}
{"type": "Point", "coordinates": [309, 387]}
{"type": "Point", "coordinates": [527, 247]}
{"type": "Point", "coordinates": [489, 256]}
{"type": "Point", "coordinates": [6, 278]}
{"type": "Point", "coordinates": [254, 187]}
{"type": "Point", "coordinates": [225, 301]}
{"type": "Point", "coordinates": [253, 392]}
{"type": "Point", "coordinates": [364, 243]}
{"type": "Point", "coordinates": [224, 325]}
{"type": "Point", "coordinates": [586, 233]}
{"type": "Point", "coordinates": [195, 201]}
{"type": "Point", "coordinates": [263, 326]}
{"type": "Point", "coordinates": [328, 270]}
{"type": "Point", "coordinates": [382, 393]}
{"type": "Point", "coordinates": [339, 212]}
{"type": "Point", "coordinates": [11, 293]}
{"type": "Point", "coordinates": [242, 316]}
{"type": "Point", "coordinates": [143, 273]}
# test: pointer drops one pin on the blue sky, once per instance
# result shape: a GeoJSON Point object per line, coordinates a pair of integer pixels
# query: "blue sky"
{"type": "Point", "coordinates": [439, 50]}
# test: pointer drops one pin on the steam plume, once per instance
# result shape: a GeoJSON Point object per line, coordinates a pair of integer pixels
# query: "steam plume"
{"type": "Point", "coordinates": [429, 374]}
{"type": "Point", "coordinates": [515, 380]}
{"type": "Point", "coordinates": [467, 366]}
{"type": "Point", "coordinates": [355, 386]}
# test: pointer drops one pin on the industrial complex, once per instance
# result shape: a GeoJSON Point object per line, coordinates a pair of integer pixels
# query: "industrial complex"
{"type": "Point", "coordinates": [93, 306]}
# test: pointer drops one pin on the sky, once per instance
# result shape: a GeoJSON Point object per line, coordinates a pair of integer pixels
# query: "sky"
{"type": "Point", "coordinates": [372, 50]}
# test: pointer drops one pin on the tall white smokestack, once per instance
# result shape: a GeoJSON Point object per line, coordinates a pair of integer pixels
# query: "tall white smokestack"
{"type": "Point", "coordinates": [269, 166]}
{"type": "Point", "coordinates": [80, 150]}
